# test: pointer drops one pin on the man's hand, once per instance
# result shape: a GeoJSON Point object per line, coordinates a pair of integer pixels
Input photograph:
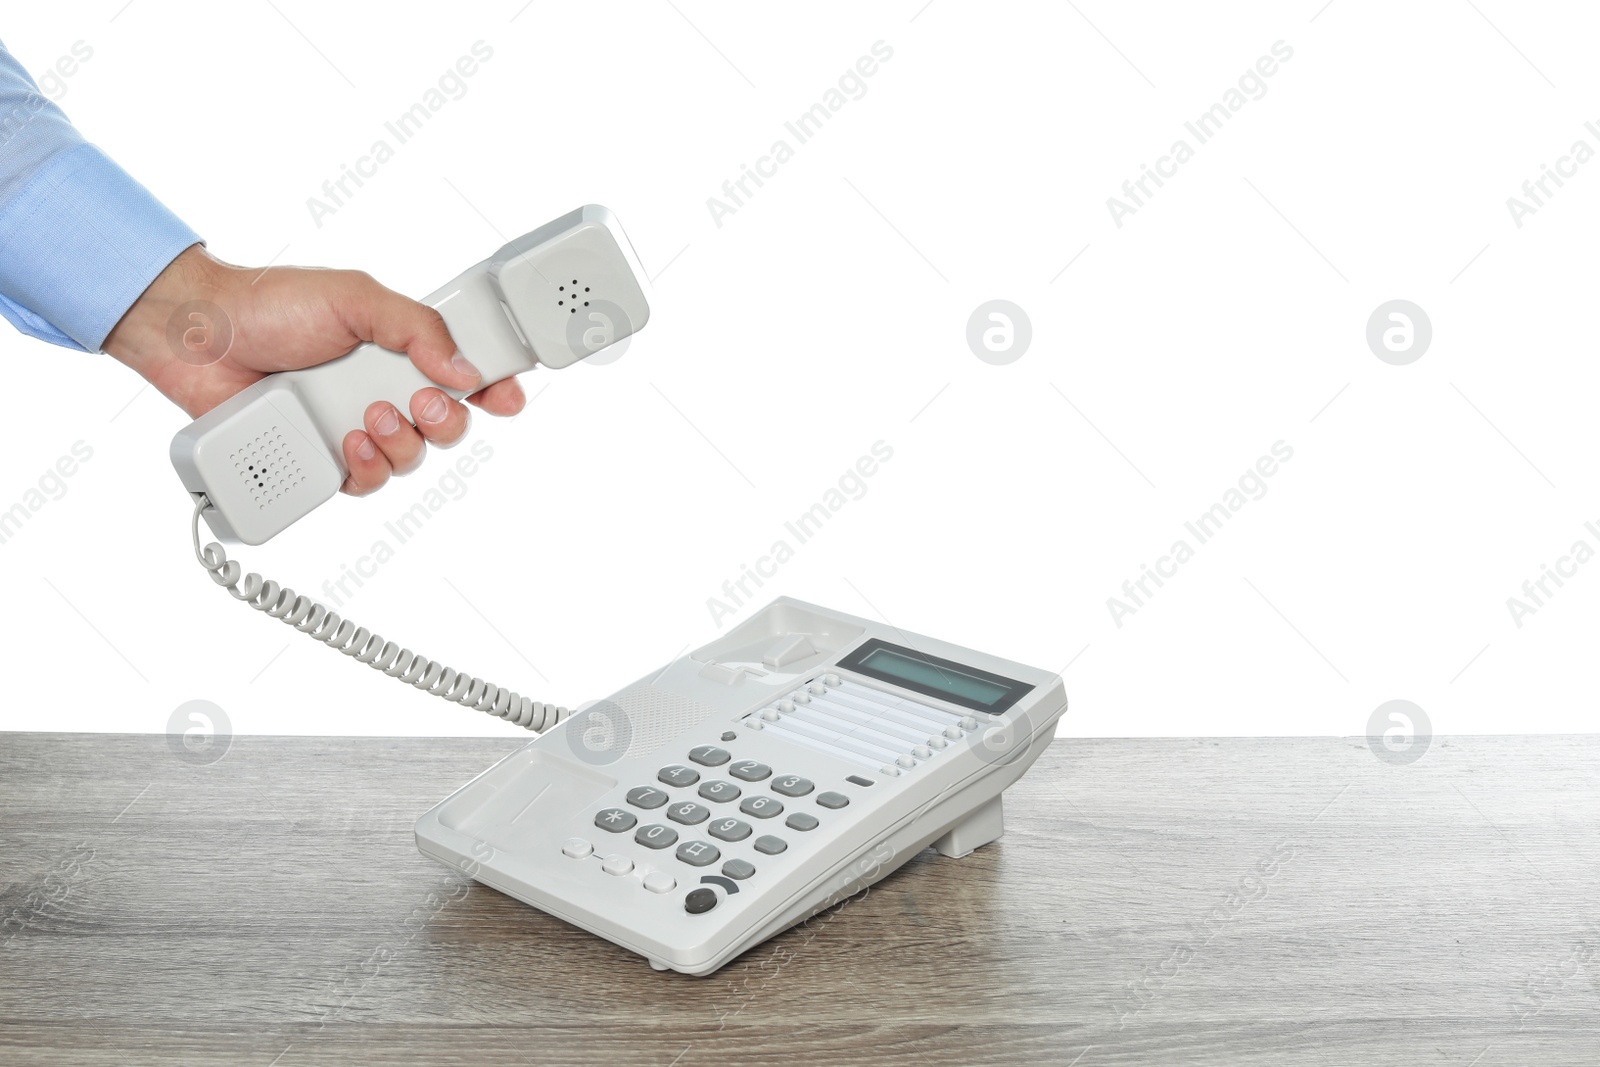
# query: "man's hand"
{"type": "Point", "coordinates": [285, 318]}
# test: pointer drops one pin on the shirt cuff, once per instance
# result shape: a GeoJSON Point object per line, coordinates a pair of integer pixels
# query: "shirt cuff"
{"type": "Point", "coordinates": [79, 244]}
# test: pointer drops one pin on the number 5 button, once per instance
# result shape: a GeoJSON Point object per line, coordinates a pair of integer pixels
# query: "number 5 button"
{"type": "Point", "coordinates": [792, 785]}
{"type": "Point", "coordinates": [719, 791]}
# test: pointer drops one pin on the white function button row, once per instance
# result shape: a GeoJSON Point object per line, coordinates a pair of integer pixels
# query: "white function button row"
{"type": "Point", "coordinates": [861, 723]}
{"type": "Point", "coordinates": [877, 697]}
{"type": "Point", "coordinates": [820, 744]}
{"type": "Point", "coordinates": [875, 729]}
{"type": "Point", "coordinates": [842, 736]}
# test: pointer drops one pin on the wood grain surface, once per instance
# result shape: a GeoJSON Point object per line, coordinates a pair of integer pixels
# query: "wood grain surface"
{"type": "Point", "coordinates": [1226, 901]}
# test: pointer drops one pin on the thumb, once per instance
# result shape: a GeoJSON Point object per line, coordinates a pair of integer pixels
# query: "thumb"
{"type": "Point", "coordinates": [376, 313]}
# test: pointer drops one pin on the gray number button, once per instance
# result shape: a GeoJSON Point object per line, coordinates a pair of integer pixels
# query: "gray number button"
{"type": "Point", "coordinates": [761, 807]}
{"type": "Point", "coordinates": [647, 796]}
{"type": "Point", "coordinates": [792, 785]}
{"type": "Point", "coordinates": [710, 755]}
{"type": "Point", "coordinates": [719, 791]}
{"type": "Point", "coordinates": [676, 775]}
{"type": "Point", "coordinates": [689, 814]}
{"type": "Point", "coordinates": [698, 853]}
{"type": "Point", "coordinates": [750, 770]}
{"type": "Point", "coordinates": [657, 836]}
{"type": "Point", "coordinates": [729, 829]}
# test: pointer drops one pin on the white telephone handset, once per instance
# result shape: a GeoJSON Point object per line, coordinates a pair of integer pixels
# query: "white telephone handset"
{"type": "Point", "coordinates": [270, 455]}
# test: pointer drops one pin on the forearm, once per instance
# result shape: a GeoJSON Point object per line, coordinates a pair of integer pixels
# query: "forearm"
{"type": "Point", "coordinates": [80, 239]}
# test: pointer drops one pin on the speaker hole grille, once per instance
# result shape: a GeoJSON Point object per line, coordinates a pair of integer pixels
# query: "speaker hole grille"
{"type": "Point", "coordinates": [268, 468]}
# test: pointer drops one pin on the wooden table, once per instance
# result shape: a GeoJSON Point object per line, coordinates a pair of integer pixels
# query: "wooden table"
{"type": "Point", "coordinates": [1233, 901]}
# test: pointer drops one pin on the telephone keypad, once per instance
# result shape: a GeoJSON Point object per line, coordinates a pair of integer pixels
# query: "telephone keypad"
{"type": "Point", "coordinates": [688, 813]}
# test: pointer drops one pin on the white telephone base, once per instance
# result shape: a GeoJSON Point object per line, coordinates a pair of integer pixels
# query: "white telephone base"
{"type": "Point", "coordinates": [751, 784]}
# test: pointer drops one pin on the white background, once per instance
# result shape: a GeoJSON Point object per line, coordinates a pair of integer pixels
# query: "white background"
{"type": "Point", "coordinates": [829, 312]}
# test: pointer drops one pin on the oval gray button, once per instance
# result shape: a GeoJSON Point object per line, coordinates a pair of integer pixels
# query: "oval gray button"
{"type": "Point", "coordinates": [730, 829]}
{"type": "Point", "coordinates": [656, 836]}
{"type": "Point", "coordinates": [698, 853]}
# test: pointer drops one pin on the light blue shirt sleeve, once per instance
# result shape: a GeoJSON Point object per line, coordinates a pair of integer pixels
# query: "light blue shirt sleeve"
{"type": "Point", "coordinates": [79, 238]}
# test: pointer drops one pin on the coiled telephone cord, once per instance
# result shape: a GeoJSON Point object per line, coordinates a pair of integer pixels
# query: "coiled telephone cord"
{"type": "Point", "coordinates": [359, 643]}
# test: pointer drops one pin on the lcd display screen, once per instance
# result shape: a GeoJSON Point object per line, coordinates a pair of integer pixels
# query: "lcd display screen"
{"type": "Point", "coordinates": [965, 686]}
